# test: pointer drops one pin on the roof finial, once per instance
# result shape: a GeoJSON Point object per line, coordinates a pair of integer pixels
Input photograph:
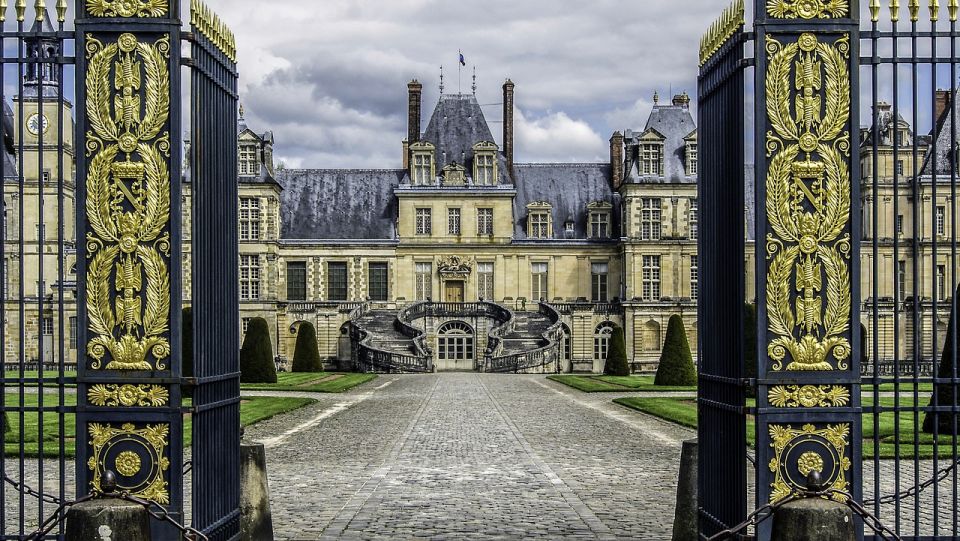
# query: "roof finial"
{"type": "Point", "coordinates": [656, 97]}
{"type": "Point", "coordinates": [241, 110]}
{"type": "Point", "coordinates": [441, 80]}
{"type": "Point", "coordinates": [474, 80]}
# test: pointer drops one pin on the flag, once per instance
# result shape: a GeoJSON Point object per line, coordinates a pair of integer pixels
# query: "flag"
{"type": "Point", "coordinates": [463, 62]}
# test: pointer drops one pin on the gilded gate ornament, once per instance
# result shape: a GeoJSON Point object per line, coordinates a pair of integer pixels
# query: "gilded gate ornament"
{"type": "Point", "coordinates": [128, 203]}
{"type": "Point", "coordinates": [808, 203]}
{"type": "Point", "coordinates": [808, 9]}
{"type": "Point", "coordinates": [136, 454]}
{"type": "Point", "coordinates": [112, 395]}
{"type": "Point", "coordinates": [798, 452]}
{"type": "Point", "coordinates": [808, 396]}
{"type": "Point", "coordinates": [128, 8]}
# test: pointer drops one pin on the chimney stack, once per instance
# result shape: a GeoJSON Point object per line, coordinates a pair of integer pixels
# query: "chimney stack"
{"type": "Point", "coordinates": [508, 124]}
{"type": "Point", "coordinates": [616, 160]}
{"type": "Point", "coordinates": [415, 95]}
{"type": "Point", "coordinates": [942, 102]}
{"type": "Point", "coordinates": [682, 100]}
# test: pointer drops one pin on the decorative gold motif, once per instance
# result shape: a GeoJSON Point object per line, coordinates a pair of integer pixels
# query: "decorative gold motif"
{"type": "Point", "coordinates": [61, 10]}
{"type": "Point", "coordinates": [808, 202]}
{"type": "Point", "coordinates": [952, 7]}
{"type": "Point", "coordinates": [146, 396]}
{"type": "Point", "coordinates": [128, 463]}
{"type": "Point", "coordinates": [21, 8]}
{"type": "Point", "coordinates": [120, 443]}
{"type": "Point", "coordinates": [128, 203]}
{"type": "Point", "coordinates": [823, 450]}
{"type": "Point", "coordinates": [808, 9]}
{"type": "Point", "coordinates": [934, 10]}
{"type": "Point", "coordinates": [721, 30]}
{"type": "Point", "coordinates": [809, 396]}
{"type": "Point", "coordinates": [874, 10]}
{"type": "Point", "coordinates": [209, 24]}
{"type": "Point", "coordinates": [128, 8]}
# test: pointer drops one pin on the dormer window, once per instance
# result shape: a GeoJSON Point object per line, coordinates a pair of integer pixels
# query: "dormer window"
{"type": "Point", "coordinates": [539, 224]}
{"type": "Point", "coordinates": [651, 159]}
{"type": "Point", "coordinates": [691, 158]}
{"type": "Point", "coordinates": [599, 219]}
{"type": "Point", "coordinates": [485, 163]}
{"type": "Point", "coordinates": [248, 160]}
{"type": "Point", "coordinates": [423, 170]}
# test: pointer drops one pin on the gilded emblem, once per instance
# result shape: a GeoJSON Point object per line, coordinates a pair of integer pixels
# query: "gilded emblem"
{"type": "Point", "coordinates": [808, 203]}
{"type": "Point", "coordinates": [724, 28]}
{"type": "Point", "coordinates": [128, 8]}
{"type": "Point", "coordinates": [137, 454]}
{"type": "Point", "coordinates": [808, 396]}
{"type": "Point", "coordinates": [808, 9]}
{"type": "Point", "coordinates": [111, 395]}
{"type": "Point", "coordinates": [799, 452]}
{"type": "Point", "coordinates": [128, 203]}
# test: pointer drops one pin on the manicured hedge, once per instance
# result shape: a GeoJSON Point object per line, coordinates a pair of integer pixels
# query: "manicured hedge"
{"type": "Point", "coordinates": [676, 363]}
{"type": "Point", "coordinates": [256, 355]}
{"type": "Point", "coordinates": [616, 364]}
{"type": "Point", "coordinates": [306, 355]}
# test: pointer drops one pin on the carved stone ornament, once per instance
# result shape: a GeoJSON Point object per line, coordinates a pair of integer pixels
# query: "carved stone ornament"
{"type": "Point", "coordinates": [455, 267]}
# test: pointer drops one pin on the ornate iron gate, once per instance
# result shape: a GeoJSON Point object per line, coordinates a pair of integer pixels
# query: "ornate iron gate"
{"type": "Point", "coordinates": [863, 391]}
{"type": "Point", "coordinates": [93, 263]}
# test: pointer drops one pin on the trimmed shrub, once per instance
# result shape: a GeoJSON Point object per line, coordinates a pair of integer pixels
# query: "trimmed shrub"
{"type": "Point", "coordinates": [676, 364]}
{"type": "Point", "coordinates": [6, 424]}
{"type": "Point", "coordinates": [256, 355]}
{"type": "Point", "coordinates": [616, 364]}
{"type": "Point", "coordinates": [750, 345]}
{"type": "Point", "coordinates": [186, 348]}
{"type": "Point", "coordinates": [943, 392]}
{"type": "Point", "coordinates": [306, 355]}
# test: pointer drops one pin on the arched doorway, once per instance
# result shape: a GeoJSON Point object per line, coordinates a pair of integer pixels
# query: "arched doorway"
{"type": "Point", "coordinates": [456, 346]}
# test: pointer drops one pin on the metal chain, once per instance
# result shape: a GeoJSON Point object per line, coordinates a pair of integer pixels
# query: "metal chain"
{"type": "Point", "coordinates": [916, 489]}
{"type": "Point", "coordinates": [765, 512]}
{"type": "Point", "coordinates": [26, 489]}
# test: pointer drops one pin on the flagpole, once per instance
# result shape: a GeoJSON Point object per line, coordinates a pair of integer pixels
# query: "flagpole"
{"type": "Point", "coordinates": [459, 69]}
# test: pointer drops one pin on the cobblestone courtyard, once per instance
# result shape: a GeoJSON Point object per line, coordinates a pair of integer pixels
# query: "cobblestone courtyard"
{"type": "Point", "coordinates": [461, 456]}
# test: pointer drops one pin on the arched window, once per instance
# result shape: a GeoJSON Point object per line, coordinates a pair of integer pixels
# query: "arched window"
{"type": "Point", "coordinates": [455, 341]}
{"type": "Point", "coordinates": [567, 342]}
{"type": "Point", "coordinates": [651, 336]}
{"type": "Point", "coordinates": [601, 340]}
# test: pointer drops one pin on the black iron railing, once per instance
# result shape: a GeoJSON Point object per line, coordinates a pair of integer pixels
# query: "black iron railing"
{"type": "Point", "coordinates": [549, 352]}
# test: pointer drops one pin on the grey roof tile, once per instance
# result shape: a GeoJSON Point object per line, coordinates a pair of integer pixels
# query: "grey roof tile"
{"type": "Point", "coordinates": [456, 125]}
{"type": "Point", "coordinates": [569, 188]}
{"type": "Point", "coordinates": [674, 123]}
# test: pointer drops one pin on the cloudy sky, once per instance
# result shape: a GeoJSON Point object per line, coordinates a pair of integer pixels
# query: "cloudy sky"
{"type": "Point", "coordinates": [329, 76]}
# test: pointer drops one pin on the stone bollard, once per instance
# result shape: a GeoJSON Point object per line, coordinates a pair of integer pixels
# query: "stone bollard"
{"type": "Point", "coordinates": [107, 520]}
{"type": "Point", "coordinates": [812, 519]}
{"type": "Point", "coordinates": [685, 520]}
{"type": "Point", "coordinates": [256, 520]}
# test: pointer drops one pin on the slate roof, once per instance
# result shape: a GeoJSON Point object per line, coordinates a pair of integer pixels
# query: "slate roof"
{"type": "Point", "coordinates": [9, 147]}
{"type": "Point", "coordinates": [674, 123]}
{"type": "Point", "coordinates": [456, 125]}
{"type": "Point", "coordinates": [339, 204]}
{"type": "Point", "coordinates": [886, 128]}
{"type": "Point", "coordinates": [569, 188]}
{"type": "Point", "coordinates": [942, 161]}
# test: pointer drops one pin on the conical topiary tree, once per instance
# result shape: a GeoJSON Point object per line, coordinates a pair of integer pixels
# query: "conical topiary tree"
{"type": "Point", "coordinates": [256, 355]}
{"type": "Point", "coordinates": [6, 424]}
{"type": "Point", "coordinates": [616, 364]}
{"type": "Point", "coordinates": [676, 364]}
{"type": "Point", "coordinates": [186, 348]}
{"type": "Point", "coordinates": [306, 355]}
{"type": "Point", "coordinates": [750, 345]}
{"type": "Point", "coordinates": [943, 392]}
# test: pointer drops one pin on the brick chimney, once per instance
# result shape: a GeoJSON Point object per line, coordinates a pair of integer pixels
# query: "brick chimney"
{"type": "Point", "coordinates": [942, 101]}
{"type": "Point", "coordinates": [415, 97]}
{"type": "Point", "coordinates": [508, 124]}
{"type": "Point", "coordinates": [616, 160]}
{"type": "Point", "coordinates": [682, 100]}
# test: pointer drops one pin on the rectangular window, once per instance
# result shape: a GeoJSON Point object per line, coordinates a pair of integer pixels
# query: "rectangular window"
{"type": "Point", "coordinates": [484, 221]}
{"type": "Point", "coordinates": [47, 324]}
{"type": "Point", "coordinates": [485, 281]}
{"type": "Point", "coordinates": [336, 281]}
{"type": "Point", "coordinates": [538, 288]}
{"type": "Point", "coordinates": [248, 160]}
{"type": "Point", "coordinates": [296, 280]}
{"type": "Point", "coordinates": [6, 279]}
{"type": "Point", "coordinates": [899, 224]}
{"type": "Point", "coordinates": [422, 166]}
{"type": "Point", "coordinates": [244, 324]}
{"type": "Point", "coordinates": [539, 225]}
{"type": "Point", "coordinates": [41, 288]}
{"type": "Point", "coordinates": [694, 277]}
{"type": "Point", "coordinates": [249, 277]}
{"type": "Point", "coordinates": [600, 225]}
{"type": "Point", "coordinates": [651, 159]}
{"type": "Point", "coordinates": [941, 221]}
{"type": "Point", "coordinates": [424, 221]}
{"type": "Point", "coordinates": [73, 332]}
{"type": "Point", "coordinates": [899, 167]}
{"type": "Point", "coordinates": [453, 222]}
{"type": "Point", "coordinates": [651, 277]}
{"type": "Point", "coordinates": [485, 169]}
{"type": "Point", "coordinates": [694, 219]}
{"type": "Point", "coordinates": [598, 272]}
{"type": "Point", "coordinates": [378, 281]}
{"type": "Point", "coordinates": [650, 219]}
{"type": "Point", "coordinates": [424, 277]}
{"type": "Point", "coordinates": [901, 280]}
{"type": "Point", "coordinates": [941, 282]}
{"type": "Point", "coordinates": [692, 159]}
{"type": "Point", "coordinates": [249, 218]}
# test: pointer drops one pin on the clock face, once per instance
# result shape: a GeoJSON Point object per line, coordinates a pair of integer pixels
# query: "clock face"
{"type": "Point", "coordinates": [37, 123]}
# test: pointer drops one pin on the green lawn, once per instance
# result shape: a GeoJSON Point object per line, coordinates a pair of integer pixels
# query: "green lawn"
{"type": "Point", "coordinates": [252, 411]}
{"type": "Point", "coordinates": [683, 411]}
{"type": "Point", "coordinates": [614, 384]}
{"type": "Point", "coordinates": [317, 382]}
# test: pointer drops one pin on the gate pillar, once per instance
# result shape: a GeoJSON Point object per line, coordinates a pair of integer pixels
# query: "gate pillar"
{"type": "Point", "coordinates": [808, 374]}
{"type": "Point", "coordinates": [129, 250]}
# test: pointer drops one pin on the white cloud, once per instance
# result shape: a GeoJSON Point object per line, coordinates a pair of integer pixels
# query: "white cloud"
{"type": "Point", "coordinates": [556, 137]}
